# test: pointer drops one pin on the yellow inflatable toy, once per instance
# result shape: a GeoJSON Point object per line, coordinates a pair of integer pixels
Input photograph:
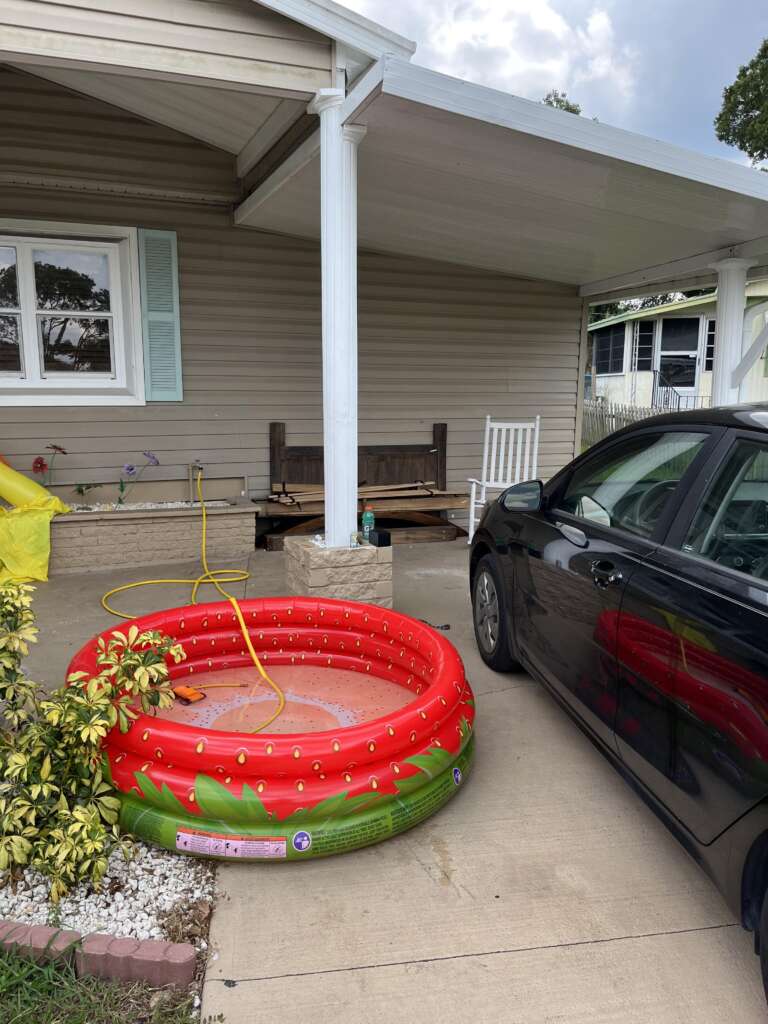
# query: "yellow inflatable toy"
{"type": "Point", "coordinates": [25, 530]}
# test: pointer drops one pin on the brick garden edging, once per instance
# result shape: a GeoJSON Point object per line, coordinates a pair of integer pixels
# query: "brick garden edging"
{"type": "Point", "coordinates": [90, 541]}
{"type": "Point", "coordinates": [157, 963]}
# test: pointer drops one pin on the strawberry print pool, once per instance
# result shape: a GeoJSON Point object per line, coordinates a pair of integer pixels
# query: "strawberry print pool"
{"type": "Point", "coordinates": [376, 734]}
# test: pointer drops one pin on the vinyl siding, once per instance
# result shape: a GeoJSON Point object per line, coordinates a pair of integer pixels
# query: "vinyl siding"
{"type": "Point", "coordinates": [437, 342]}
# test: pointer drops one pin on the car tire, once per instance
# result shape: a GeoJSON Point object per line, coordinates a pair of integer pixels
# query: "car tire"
{"type": "Point", "coordinates": [489, 616]}
{"type": "Point", "coordinates": [762, 938]}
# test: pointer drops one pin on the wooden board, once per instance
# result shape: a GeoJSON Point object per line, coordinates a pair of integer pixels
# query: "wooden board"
{"type": "Point", "coordinates": [376, 464]}
{"type": "Point", "coordinates": [384, 506]}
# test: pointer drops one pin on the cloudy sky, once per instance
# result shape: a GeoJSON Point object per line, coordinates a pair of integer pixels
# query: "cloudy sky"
{"type": "Point", "coordinates": [652, 66]}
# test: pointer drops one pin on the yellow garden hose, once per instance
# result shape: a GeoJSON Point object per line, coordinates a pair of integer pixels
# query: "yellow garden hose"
{"type": "Point", "coordinates": [215, 578]}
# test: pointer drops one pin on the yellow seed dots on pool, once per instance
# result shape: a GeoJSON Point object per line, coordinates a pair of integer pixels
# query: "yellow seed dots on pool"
{"type": "Point", "coordinates": [316, 766]}
{"type": "Point", "coordinates": [423, 714]}
{"type": "Point", "coordinates": [145, 735]}
{"type": "Point", "coordinates": [191, 796]}
{"type": "Point", "coordinates": [269, 748]}
{"type": "Point", "coordinates": [374, 783]}
{"type": "Point", "coordinates": [347, 777]}
{"type": "Point", "coordinates": [413, 737]}
{"type": "Point", "coordinates": [390, 730]}
{"type": "Point", "coordinates": [371, 746]}
{"type": "Point", "coordinates": [242, 757]}
{"type": "Point", "coordinates": [261, 787]}
{"type": "Point", "coordinates": [444, 702]}
{"type": "Point", "coordinates": [336, 746]}
{"type": "Point", "coordinates": [300, 786]}
{"type": "Point", "coordinates": [146, 766]}
{"type": "Point", "coordinates": [200, 746]}
{"type": "Point", "coordinates": [396, 769]}
{"type": "Point", "coordinates": [228, 779]}
{"type": "Point", "coordinates": [159, 754]}
{"type": "Point", "coordinates": [296, 752]}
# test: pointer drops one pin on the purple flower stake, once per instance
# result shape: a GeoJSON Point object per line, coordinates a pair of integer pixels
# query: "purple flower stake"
{"type": "Point", "coordinates": [131, 475]}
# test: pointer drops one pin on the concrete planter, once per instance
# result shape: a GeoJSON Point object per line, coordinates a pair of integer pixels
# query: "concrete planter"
{"type": "Point", "coordinates": [92, 541]}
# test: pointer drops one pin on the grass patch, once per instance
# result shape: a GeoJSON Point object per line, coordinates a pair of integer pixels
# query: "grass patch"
{"type": "Point", "coordinates": [51, 993]}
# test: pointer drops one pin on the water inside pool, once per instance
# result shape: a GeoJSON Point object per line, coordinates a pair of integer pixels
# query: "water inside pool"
{"type": "Point", "coordinates": [316, 699]}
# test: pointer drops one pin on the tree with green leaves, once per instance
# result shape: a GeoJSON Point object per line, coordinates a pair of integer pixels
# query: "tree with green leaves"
{"type": "Point", "coordinates": [743, 118]}
{"type": "Point", "coordinates": [559, 100]}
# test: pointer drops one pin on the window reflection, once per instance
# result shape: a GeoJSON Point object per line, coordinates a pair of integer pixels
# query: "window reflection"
{"type": "Point", "coordinates": [75, 344]}
{"type": "Point", "coordinates": [76, 281]}
{"type": "Point", "coordinates": [9, 292]}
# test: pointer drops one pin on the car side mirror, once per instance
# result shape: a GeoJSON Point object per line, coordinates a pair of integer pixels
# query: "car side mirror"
{"type": "Point", "coordinates": [525, 497]}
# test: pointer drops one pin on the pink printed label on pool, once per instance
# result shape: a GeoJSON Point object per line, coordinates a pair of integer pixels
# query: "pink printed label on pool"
{"type": "Point", "coordinates": [211, 844]}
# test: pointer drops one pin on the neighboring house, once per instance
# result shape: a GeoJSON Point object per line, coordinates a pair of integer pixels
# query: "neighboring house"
{"type": "Point", "coordinates": [663, 357]}
{"type": "Point", "coordinates": [183, 184]}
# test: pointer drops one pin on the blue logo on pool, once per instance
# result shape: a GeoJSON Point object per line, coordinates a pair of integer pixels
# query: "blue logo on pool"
{"type": "Point", "coordinates": [457, 776]}
{"type": "Point", "coordinates": [302, 841]}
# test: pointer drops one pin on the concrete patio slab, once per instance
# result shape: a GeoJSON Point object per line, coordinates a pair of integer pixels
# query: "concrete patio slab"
{"type": "Point", "coordinates": [545, 891]}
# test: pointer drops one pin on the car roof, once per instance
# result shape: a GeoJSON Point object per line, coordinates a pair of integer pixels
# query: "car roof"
{"type": "Point", "coordinates": [743, 417]}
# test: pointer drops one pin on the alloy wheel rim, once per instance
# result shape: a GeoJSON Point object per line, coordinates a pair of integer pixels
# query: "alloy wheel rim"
{"type": "Point", "coordinates": [487, 612]}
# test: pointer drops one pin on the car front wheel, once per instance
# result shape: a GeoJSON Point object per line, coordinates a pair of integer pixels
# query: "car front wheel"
{"type": "Point", "coordinates": [489, 614]}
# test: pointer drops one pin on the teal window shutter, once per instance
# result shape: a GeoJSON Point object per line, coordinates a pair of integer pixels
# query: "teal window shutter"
{"type": "Point", "coordinates": [159, 269]}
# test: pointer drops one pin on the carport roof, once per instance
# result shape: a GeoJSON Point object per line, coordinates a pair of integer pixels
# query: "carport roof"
{"type": "Point", "coordinates": [458, 172]}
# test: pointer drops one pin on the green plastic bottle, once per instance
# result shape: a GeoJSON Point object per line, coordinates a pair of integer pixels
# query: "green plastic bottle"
{"type": "Point", "coordinates": [369, 521]}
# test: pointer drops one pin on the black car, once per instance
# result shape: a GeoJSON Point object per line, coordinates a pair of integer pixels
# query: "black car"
{"type": "Point", "coordinates": [634, 584]}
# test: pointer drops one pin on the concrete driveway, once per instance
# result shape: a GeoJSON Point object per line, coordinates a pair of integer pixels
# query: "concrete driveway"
{"type": "Point", "coordinates": [545, 891]}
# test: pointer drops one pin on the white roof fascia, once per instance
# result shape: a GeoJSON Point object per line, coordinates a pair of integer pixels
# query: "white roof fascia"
{"type": "Point", "coordinates": [653, 311]}
{"type": "Point", "coordinates": [343, 25]}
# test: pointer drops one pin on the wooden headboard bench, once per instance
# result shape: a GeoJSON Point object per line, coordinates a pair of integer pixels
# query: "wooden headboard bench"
{"type": "Point", "coordinates": [376, 463]}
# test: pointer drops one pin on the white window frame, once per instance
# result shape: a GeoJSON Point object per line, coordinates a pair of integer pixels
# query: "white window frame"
{"type": "Point", "coordinates": [683, 314]}
{"type": "Point", "coordinates": [125, 385]}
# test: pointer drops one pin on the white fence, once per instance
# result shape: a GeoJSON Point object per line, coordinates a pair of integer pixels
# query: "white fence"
{"type": "Point", "coordinates": [602, 418]}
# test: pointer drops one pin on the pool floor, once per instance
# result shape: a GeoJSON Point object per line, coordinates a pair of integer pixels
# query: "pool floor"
{"type": "Point", "coordinates": [317, 699]}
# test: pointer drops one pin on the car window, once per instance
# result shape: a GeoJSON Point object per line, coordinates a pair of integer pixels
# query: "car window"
{"type": "Point", "coordinates": [731, 525]}
{"type": "Point", "coordinates": [628, 485]}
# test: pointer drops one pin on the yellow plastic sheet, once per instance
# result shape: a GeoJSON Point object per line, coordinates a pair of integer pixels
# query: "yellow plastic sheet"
{"type": "Point", "coordinates": [25, 532]}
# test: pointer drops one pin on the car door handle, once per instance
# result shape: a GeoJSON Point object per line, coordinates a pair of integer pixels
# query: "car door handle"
{"type": "Point", "coordinates": [605, 574]}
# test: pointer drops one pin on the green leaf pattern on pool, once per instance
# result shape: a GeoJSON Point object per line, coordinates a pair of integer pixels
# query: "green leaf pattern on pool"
{"type": "Point", "coordinates": [231, 813]}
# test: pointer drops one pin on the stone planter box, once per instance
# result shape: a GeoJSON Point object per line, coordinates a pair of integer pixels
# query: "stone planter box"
{"type": "Point", "coordinates": [92, 541]}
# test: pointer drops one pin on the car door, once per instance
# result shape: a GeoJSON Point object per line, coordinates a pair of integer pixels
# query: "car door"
{"type": "Point", "coordinates": [693, 649]}
{"type": "Point", "coordinates": [575, 559]}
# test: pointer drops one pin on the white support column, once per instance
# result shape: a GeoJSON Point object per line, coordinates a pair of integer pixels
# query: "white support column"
{"type": "Point", "coordinates": [338, 238]}
{"type": "Point", "coordinates": [731, 300]}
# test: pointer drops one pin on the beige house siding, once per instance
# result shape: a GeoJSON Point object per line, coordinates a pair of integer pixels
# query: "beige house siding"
{"type": "Point", "coordinates": [437, 342]}
{"type": "Point", "coordinates": [230, 42]}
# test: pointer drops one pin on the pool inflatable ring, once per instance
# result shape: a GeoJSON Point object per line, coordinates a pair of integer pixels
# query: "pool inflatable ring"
{"type": "Point", "coordinates": [295, 796]}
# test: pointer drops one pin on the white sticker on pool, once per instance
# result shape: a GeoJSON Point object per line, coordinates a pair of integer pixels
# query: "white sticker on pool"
{"type": "Point", "coordinates": [210, 844]}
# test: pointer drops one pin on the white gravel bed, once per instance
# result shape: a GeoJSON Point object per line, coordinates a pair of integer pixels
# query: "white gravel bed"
{"type": "Point", "coordinates": [134, 895]}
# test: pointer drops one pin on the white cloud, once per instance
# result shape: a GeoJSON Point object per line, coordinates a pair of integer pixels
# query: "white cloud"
{"type": "Point", "coordinates": [522, 46]}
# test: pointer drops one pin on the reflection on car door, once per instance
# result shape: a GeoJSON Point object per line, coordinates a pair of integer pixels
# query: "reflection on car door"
{"type": "Point", "coordinates": [566, 616]}
{"type": "Point", "coordinates": [693, 694]}
{"type": "Point", "coordinates": [579, 557]}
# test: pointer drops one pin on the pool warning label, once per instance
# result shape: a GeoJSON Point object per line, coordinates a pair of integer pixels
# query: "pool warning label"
{"type": "Point", "coordinates": [212, 844]}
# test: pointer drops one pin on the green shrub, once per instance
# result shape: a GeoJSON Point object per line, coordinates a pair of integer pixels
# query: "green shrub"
{"type": "Point", "coordinates": [58, 813]}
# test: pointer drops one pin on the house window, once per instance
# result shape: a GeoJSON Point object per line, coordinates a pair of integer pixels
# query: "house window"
{"type": "Point", "coordinates": [69, 323]}
{"type": "Point", "coordinates": [609, 349]}
{"type": "Point", "coordinates": [644, 344]}
{"type": "Point", "coordinates": [709, 355]}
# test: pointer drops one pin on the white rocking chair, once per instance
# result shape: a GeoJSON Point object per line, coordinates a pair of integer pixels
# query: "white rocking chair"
{"type": "Point", "coordinates": [510, 454]}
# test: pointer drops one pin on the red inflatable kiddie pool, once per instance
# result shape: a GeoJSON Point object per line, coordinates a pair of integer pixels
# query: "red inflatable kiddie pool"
{"type": "Point", "coordinates": [382, 700]}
